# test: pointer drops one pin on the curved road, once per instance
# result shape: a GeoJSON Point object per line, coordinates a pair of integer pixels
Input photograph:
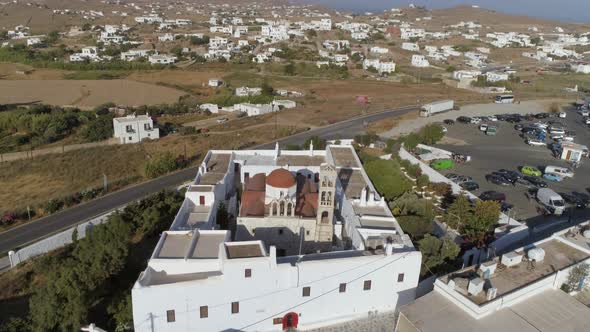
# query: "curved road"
{"type": "Point", "coordinates": [30, 232]}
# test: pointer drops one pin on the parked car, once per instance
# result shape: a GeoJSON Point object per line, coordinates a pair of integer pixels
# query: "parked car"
{"type": "Point", "coordinates": [573, 200]}
{"type": "Point", "coordinates": [475, 120]}
{"type": "Point", "coordinates": [222, 120]}
{"type": "Point", "coordinates": [461, 179]}
{"type": "Point", "coordinates": [560, 171]}
{"type": "Point", "coordinates": [464, 119]}
{"type": "Point", "coordinates": [452, 176]}
{"type": "Point", "coordinates": [498, 180]}
{"type": "Point", "coordinates": [505, 207]}
{"type": "Point", "coordinates": [535, 181]}
{"type": "Point", "coordinates": [491, 131]}
{"type": "Point", "coordinates": [492, 118]}
{"type": "Point", "coordinates": [449, 122]}
{"type": "Point", "coordinates": [583, 197]}
{"type": "Point", "coordinates": [442, 164]}
{"type": "Point", "coordinates": [470, 186]}
{"type": "Point", "coordinates": [562, 115]}
{"type": "Point", "coordinates": [512, 173]}
{"type": "Point", "coordinates": [530, 170]}
{"type": "Point", "coordinates": [552, 177]}
{"type": "Point", "coordinates": [584, 112]}
{"type": "Point", "coordinates": [518, 127]}
{"type": "Point", "coordinates": [534, 142]}
{"type": "Point", "coordinates": [492, 196]}
{"type": "Point", "coordinates": [483, 127]}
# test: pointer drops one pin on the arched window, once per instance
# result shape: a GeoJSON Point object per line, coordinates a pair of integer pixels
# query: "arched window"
{"type": "Point", "coordinates": [329, 200]}
{"type": "Point", "coordinates": [289, 209]}
{"type": "Point", "coordinates": [325, 215]}
{"type": "Point", "coordinates": [282, 208]}
{"type": "Point", "coordinates": [323, 197]}
{"type": "Point", "coordinates": [274, 209]}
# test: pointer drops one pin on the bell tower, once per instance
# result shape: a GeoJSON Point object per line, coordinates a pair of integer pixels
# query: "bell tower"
{"type": "Point", "coordinates": [326, 198]}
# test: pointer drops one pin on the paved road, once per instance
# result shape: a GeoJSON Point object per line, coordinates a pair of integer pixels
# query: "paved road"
{"type": "Point", "coordinates": [30, 232]}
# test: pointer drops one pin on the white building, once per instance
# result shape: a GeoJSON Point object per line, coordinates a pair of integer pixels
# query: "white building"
{"type": "Point", "coordinates": [583, 68]}
{"type": "Point", "coordinates": [466, 74]}
{"type": "Point", "coordinates": [132, 55]}
{"type": "Point", "coordinates": [382, 67]}
{"type": "Point", "coordinates": [516, 291]}
{"type": "Point", "coordinates": [352, 264]}
{"type": "Point", "coordinates": [134, 129]}
{"type": "Point", "coordinates": [89, 53]}
{"type": "Point", "coordinates": [162, 59]}
{"type": "Point", "coordinates": [31, 41]}
{"type": "Point", "coordinates": [245, 91]}
{"type": "Point", "coordinates": [419, 60]}
{"type": "Point", "coordinates": [254, 109]}
{"type": "Point", "coordinates": [166, 37]}
{"type": "Point", "coordinates": [495, 76]}
{"type": "Point", "coordinates": [215, 83]}
{"type": "Point", "coordinates": [379, 50]}
{"type": "Point", "coordinates": [410, 47]}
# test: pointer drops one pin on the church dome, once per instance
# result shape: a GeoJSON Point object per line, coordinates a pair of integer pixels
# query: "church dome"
{"type": "Point", "coordinates": [280, 178]}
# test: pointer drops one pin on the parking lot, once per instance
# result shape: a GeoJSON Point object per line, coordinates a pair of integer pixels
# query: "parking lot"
{"type": "Point", "coordinates": [507, 150]}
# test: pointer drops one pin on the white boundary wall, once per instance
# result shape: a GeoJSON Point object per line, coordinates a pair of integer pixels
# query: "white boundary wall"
{"type": "Point", "coordinates": [55, 241]}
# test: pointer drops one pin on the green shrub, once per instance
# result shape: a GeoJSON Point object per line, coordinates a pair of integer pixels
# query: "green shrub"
{"type": "Point", "coordinates": [422, 180]}
{"type": "Point", "coordinates": [387, 178]}
{"type": "Point", "coordinates": [160, 165]}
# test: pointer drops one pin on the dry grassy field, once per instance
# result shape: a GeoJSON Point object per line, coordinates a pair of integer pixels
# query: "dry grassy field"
{"type": "Point", "coordinates": [85, 93]}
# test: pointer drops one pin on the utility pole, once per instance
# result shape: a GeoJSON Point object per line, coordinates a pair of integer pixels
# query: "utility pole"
{"type": "Point", "coordinates": [105, 182]}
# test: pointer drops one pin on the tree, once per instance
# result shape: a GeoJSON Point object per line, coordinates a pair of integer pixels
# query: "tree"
{"type": "Point", "coordinates": [485, 217]}
{"type": "Point", "coordinates": [121, 312]}
{"type": "Point", "coordinates": [318, 143]}
{"type": "Point", "coordinates": [267, 89]}
{"type": "Point", "coordinates": [451, 69]}
{"type": "Point", "coordinates": [575, 277]}
{"type": "Point", "coordinates": [160, 165]}
{"type": "Point", "coordinates": [52, 37]}
{"type": "Point", "coordinates": [98, 129]}
{"type": "Point", "coordinates": [86, 27]}
{"type": "Point", "coordinates": [436, 252]}
{"type": "Point", "coordinates": [311, 33]}
{"type": "Point", "coordinates": [431, 134]}
{"type": "Point", "coordinates": [458, 213]}
{"type": "Point", "coordinates": [290, 69]}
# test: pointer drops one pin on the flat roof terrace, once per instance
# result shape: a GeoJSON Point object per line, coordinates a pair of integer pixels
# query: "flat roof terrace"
{"type": "Point", "coordinates": [344, 157]}
{"type": "Point", "coordinates": [558, 256]}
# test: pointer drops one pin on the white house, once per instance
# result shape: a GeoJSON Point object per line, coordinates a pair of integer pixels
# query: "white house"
{"type": "Point", "coordinates": [35, 40]}
{"type": "Point", "coordinates": [382, 67]}
{"type": "Point", "coordinates": [136, 54]}
{"type": "Point", "coordinates": [163, 59]}
{"type": "Point", "coordinates": [379, 50]}
{"type": "Point", "coordinates": [245, 91]}
{"type": "Point", "coordinates": [213, 108]}
{"type": "Point", "coordinates": [255, 109]}
{"type": "Point", "coordinates": [87, 53]}
{"type": "Point", "coordinates": [283, 103]}
{"type": "Point", "coordinates": [166, 37]}
{"type": "Point", "coordinates": [466, 74]}
{"type": "Point", "coordinates": [583, 68]}
{"type": "Point", "coordinates": [419, 60]}
{"type": "Point", "coordinates": [410, 47]}
{"type": "Point", "coordinates": [215, 83]}
{"type": "Point", "coordinates": [292, 262]}
{"type": "Point", "coordinates": [495, 76]}
{"type": "Point", "coordinates": [134, 128]}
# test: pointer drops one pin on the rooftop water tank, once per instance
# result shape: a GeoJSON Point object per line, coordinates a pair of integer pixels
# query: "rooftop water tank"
{"type": "Point", "coordinates": [536, 254]}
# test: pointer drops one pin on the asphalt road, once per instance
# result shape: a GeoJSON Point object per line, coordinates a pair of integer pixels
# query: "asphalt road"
{"type": "Point", "coordinates": [44, 227]}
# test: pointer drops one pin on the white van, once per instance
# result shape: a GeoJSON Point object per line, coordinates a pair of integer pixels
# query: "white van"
{"type": "Point", "coordinates": [561, 171]}
{"type": "Point", "coordinates": [551, 200]}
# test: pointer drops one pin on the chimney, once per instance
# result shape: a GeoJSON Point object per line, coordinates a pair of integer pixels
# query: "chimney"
{"type": "Point", "coordinates": [364, 197]}
{"type": "Point", "coordinates": [311, 148]}
{"type": "Point", "coordinates": [277, 151]}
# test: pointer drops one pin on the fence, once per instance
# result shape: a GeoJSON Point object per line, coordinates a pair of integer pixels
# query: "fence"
{"type": "Point", "coordinates": [55, 241]}
{"type": "Point", "coordinates": [12, 156]}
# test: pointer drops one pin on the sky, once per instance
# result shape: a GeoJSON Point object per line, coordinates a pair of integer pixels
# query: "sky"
{"type": "Point", "coordinates": [563, 10]}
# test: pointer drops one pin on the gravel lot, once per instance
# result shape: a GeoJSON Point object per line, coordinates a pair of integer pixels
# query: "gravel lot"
{"type": "Point", "coordinates": [507, 150]}
{"type": "Point", "coordinates": [408, 126]}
